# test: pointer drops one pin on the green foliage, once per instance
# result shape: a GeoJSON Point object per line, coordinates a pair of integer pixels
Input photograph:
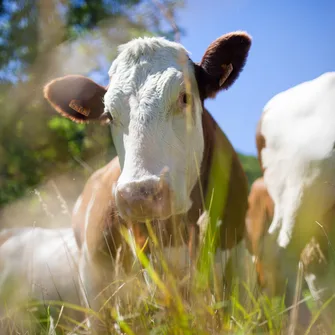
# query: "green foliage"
{"type": "Point", "coordinates": [169, 302]}
{"type": "Point", "coordinates": [251, 167]}
{"type": "Point", "coordinates": [19, 27]}
{"type": "Point", "coordinates": [37, 38]}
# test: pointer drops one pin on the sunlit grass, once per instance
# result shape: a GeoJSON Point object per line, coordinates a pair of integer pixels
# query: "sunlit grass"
{"type": "Point", "coordinates": [166, 303]}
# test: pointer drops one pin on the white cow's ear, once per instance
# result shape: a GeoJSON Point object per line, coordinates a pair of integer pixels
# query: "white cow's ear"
{"type": "Point", "coordinates": [222, 63]}
{"type": "Point", "coordinates": [77, 98]}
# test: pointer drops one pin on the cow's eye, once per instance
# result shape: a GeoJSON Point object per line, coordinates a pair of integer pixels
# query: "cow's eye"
{"type": "Point", "coordinates": [184, 99]}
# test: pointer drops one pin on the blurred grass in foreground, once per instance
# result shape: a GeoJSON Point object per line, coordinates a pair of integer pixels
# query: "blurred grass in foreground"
{"type": "Point", "coordinates": [167, 304]}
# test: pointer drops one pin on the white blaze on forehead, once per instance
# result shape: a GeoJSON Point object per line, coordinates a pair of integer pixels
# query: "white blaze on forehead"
{"type": "Point", "coordinates": [148, 72]}
{"type": "Point", "coordinates": [149, 123]}
{"type": "Point", "coordinates": [156, 50]}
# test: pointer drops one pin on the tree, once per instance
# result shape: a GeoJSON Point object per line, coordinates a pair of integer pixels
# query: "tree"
{"type": "Point", "coordinates": [251, 167]}
{"type": "Point", "coordinates": [44, 39]}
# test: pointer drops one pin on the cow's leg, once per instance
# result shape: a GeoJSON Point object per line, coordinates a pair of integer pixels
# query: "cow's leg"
{"type": "Point", "coordinates": [320, 281]}
{"type": "Point", "coordinates": [91, 285]}
{"type": "Point", "coordinates": [299, 200]}
{"type": "Point", "coordinates": [107, 276]}
{"type": "Point", "coordinates": [283, 275]}
{"type": "Point", "coordinates": [319, 263]}
{"type": "Point", "coordinates": [281, 255]}
{"type": "Point", "coordinates": [292, 275]}
{"type": "Point", "coordinates": [319, 274]}
{"type": "Point", "coordinates": [98, 289]}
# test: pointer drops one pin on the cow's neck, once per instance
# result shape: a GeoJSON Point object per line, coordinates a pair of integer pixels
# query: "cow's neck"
{"type": "Point", "coordinates": [199, 191]}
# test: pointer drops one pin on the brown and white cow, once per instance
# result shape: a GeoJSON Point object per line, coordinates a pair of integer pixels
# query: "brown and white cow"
{"type": "Point", "coordinates": [295, 141]}
{"type": "Point", "coordinates": [172, 156]}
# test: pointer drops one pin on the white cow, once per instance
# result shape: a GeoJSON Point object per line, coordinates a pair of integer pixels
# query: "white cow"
{"type": "Point", "coordinates": [296, 138]}
{"type": "Point", "coordinates": [38, 264]}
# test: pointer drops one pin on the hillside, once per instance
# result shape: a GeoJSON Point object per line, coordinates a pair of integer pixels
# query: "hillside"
{"type": "Point", "coordinates": [251, 167]}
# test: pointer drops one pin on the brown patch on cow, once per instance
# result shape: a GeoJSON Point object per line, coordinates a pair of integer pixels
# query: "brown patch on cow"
{"type": "Point", "coordinates": [260, 273]}
{"type": "Point", "coordinates": [102, 208]}
{"type": "Point", "coordinates": [259, 215]}
{"type": "Point", "coordinates": [258, 219]}
{"type": "Point", "coordinates": [260, 143]}
{"type": "Point", "coordinates": [77, 98]}
{"type": "Point", "coordinates": [234, 209]}
{"type": "Point", "coordinates": [235, 206]}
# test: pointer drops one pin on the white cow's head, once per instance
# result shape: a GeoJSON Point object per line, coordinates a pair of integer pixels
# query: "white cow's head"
{"type": "Point", "coordinates": [154, 104]}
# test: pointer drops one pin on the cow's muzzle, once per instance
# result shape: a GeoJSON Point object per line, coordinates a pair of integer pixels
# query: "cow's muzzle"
{"type": "Point", "coordinates": [144, 200]}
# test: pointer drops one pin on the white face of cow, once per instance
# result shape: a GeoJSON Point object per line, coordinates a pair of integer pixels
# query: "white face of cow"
{"type": "Point", "coordinates": [154, 105]}
{"type": "Point", "coordinates": [153, 128]}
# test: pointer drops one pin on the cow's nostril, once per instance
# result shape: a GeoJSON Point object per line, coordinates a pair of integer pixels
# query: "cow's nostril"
{"type": "Point", "coordinates": [125, 192]}
{"type": "Point", "coordinates": [158, 195]}
{"type": "Point", "coordinates": [143, 191]}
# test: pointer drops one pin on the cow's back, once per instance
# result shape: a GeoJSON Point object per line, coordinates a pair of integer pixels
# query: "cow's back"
{"type": "Point", "coordinates": [299, 122]}
{"type": "Point", "coordinates": [45, 258]}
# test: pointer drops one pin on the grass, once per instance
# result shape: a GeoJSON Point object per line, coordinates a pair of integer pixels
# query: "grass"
{"type": "Point", "coordinates": [156, 298]}
{"type": "Point", "coordinates": [161, 300]}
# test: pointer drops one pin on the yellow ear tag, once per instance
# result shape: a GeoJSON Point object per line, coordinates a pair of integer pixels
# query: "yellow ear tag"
{"type": "Point", "coordinates": [228, 69]}
{"type": "Point", "coordinates": [75, 105]}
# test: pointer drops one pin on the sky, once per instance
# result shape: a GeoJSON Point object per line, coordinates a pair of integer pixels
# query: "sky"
{"type": "Point", "coordinates": [292, 41]}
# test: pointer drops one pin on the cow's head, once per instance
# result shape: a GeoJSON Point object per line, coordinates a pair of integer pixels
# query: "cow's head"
{"type": "Point", "coordinates": [154, 104]}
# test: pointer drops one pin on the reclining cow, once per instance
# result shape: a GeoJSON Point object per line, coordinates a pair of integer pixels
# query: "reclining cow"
{"type": "Point", "coordinates": [173, 159]}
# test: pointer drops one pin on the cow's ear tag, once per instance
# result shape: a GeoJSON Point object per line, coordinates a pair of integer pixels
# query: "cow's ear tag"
{"type": "Point", "coordinates": [75, 105]}
{"type": "Point", "coordinates": [228, 69]}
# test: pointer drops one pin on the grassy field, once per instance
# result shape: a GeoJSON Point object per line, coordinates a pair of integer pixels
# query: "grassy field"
{"type": "Point", "coordinates": [156, 299]}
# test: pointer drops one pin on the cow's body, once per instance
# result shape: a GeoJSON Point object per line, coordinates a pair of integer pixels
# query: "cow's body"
{"type": "Point", "coordinates": [39, 264]}
{"type": "Point", "coordinates": [95, 218]}
{"type": "Point", "coordinates": [296, 137]}
{"type": "Point", "coordinates": [173, 160]}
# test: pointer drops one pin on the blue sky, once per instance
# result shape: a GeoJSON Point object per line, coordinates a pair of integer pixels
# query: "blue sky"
{"type": "Point", "coordinates": [293, 41]}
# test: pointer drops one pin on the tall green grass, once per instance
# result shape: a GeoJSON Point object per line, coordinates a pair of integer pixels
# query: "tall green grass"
{"type": "Point", "coordinates": [167, 302]}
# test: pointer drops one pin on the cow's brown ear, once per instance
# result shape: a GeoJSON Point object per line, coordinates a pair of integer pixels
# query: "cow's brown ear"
{"type": "Point", "coordinates": [77, 98]}
{"type": "Point", "coordinates": [222, 63]}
